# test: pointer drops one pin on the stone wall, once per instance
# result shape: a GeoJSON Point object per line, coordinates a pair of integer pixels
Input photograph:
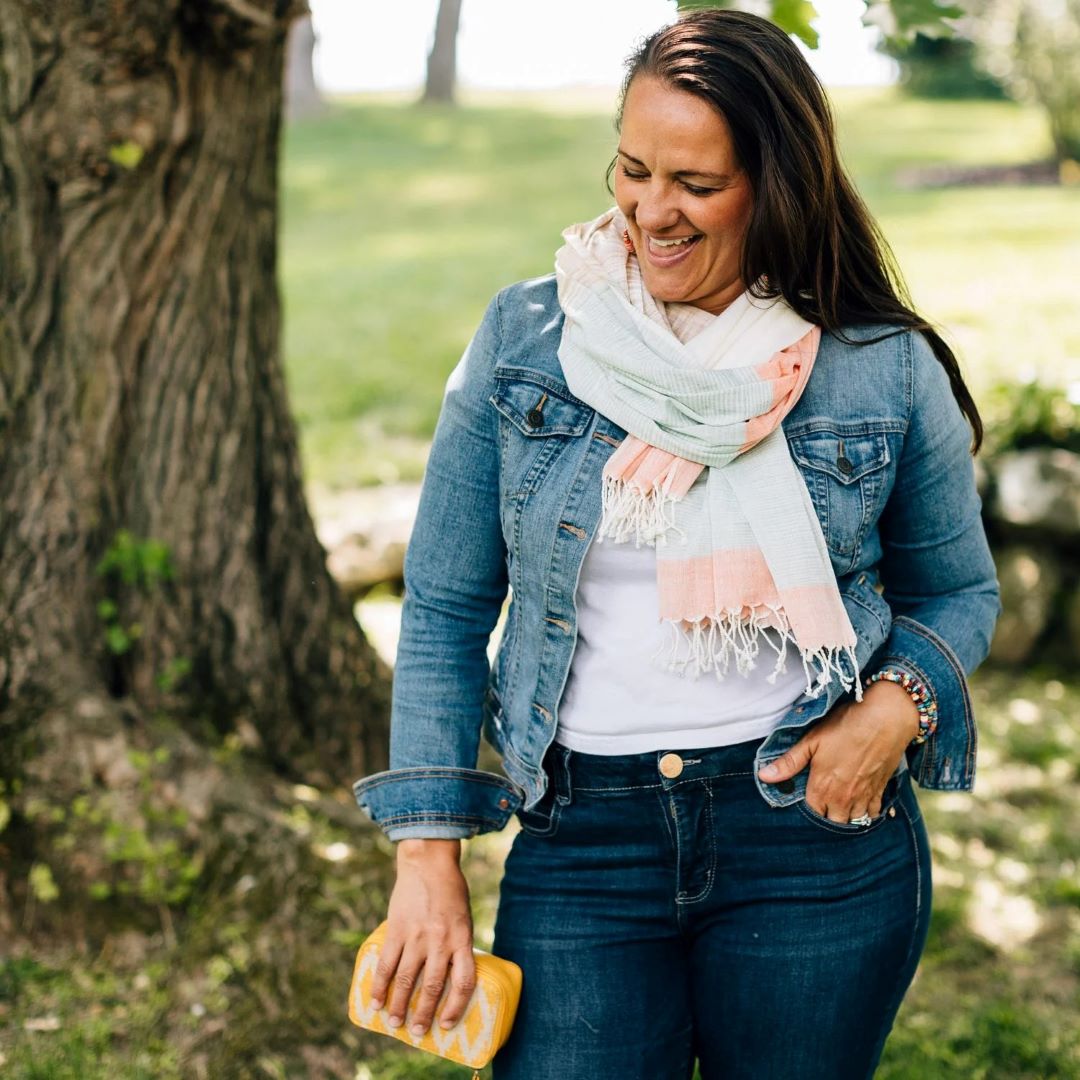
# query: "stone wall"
{"type": "Point", "coordinates": [1031, 504]}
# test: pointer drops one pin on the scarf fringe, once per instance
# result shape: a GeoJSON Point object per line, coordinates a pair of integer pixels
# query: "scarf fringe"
{"type": "Point", "coordinates": [715, 641]}
{"type": "Point", "coordinates": [627, 513]}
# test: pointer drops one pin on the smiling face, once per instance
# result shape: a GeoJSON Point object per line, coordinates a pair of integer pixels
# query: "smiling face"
{"type": "Point", "coordinates": [677, 178]}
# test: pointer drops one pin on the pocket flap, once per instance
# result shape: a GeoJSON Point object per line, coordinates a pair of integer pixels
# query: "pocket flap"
{"type": "Point", "coordinates": [536, 409]}
{"type": "Point", "coordinates": [844, 457]}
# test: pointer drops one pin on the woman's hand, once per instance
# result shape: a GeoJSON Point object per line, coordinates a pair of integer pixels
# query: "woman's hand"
{"type": "Point", "coordinates": [429, 926]}
{"type": "Point", "coordinates": [853, 751]}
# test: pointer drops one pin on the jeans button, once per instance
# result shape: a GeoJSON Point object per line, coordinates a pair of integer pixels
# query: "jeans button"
{"type": "Point", "coordinates": [671, 765]}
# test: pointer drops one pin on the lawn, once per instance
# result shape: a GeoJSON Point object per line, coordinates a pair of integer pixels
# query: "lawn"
{"type": "Point", "coordinates": [399, 224]}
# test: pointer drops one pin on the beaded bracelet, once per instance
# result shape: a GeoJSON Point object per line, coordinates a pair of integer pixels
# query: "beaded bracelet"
{"type": "Point", "coordinates": [924, 700]}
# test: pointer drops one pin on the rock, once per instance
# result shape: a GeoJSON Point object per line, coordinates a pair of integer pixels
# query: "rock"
{"type": "Point", "coordinates": [364, 560]}
{"type": "Point", "coordinates": [1029, 579]}
{"type": "Point", "coordinates": [365, 533]}
{"type": "Point", "coordinates": [1039, 488]}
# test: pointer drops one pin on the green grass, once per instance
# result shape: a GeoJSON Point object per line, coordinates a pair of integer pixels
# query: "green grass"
{"type": "Point", "coordinates": [399, 226]}
{"type": "Point", "coordinates": [400, 223]}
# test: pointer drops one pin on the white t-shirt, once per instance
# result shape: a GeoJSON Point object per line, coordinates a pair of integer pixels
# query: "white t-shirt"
{"type": "Point", "coordinates": [618, 701]}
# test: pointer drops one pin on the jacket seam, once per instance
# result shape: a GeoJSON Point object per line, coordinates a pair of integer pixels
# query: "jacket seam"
{"type": "Point", "coordinates": [437, 819]}
{"type": "Point", "coordinates": [513, 373]}
{"type": "Point", "coordinates": [845, 431]}
{"type": "Point", "coordinates": [908, 351]}
{"type": "Point", "coordinates": [434, 772]}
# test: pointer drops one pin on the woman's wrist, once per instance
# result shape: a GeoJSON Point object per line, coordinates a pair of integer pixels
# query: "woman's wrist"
{"type": "Point", "coordinates": [428, 851]}
{"type": "Point", "coordinates": [923, 705]}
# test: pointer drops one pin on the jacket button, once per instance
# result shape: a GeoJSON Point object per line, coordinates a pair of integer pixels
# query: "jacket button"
{"type": "Point", "coordinates": [671, 765]}
{"type": "Point", "coordinates": [845, 466]}
{"type": "Point", "coordinates": [786, 786]}
{"type": "Point", "coordinates": [504, 803]}
{"type": "Point", "coordinates": [534, 417]}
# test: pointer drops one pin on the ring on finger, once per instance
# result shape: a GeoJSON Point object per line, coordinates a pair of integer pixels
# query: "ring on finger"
{"type": "Point", "coordinates": [862, 819]}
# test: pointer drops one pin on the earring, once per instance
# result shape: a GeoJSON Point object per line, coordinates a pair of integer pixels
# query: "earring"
{"type": "Point", "coordinates": [628, 242]}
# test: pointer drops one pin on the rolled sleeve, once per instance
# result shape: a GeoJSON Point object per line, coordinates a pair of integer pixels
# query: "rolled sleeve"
{"type": "Point", "coordinates": [437, 802]}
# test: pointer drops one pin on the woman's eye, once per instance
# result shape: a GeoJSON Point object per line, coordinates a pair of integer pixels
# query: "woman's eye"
{"type": "Point", "coordinates": [632, 175]}
{"type": "Point", "coordinates": [698, 190]}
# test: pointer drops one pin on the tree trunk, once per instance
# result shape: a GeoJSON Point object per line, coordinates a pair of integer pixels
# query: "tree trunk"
{"type": "Point", "coordinates": [442, 60]}
{"type": "Point", "coordinates": [302, 97]}
{"type": "Point", "coordinates": [143, 410]}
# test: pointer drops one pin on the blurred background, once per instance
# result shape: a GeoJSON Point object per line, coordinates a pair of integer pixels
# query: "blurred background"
{"type": "Point", "coordinates": [183, 878]}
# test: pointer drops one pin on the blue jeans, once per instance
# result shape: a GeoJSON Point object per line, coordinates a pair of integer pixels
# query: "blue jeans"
{"type": "Point", "coordinates": [660, 918]}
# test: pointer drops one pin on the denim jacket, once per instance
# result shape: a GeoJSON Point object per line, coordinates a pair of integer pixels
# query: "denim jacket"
{"type": "Point", "coordinates": [511, 500]}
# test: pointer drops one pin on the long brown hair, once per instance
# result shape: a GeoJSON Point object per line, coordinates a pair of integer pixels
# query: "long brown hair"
{"type": "Point", "coordinates": [810, 233]}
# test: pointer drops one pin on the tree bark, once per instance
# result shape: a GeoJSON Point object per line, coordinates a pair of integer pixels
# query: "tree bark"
{"type": "Point", "coordinates": [442, 60]}
{"type": "Point", "coordinates": [141, 389]}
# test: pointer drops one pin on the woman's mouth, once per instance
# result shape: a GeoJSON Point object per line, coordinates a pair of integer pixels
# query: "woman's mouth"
{"type": "Point", "coordinates": [670, 250]}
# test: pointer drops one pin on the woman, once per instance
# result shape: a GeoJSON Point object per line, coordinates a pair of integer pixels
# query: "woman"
{"type": "Point", "coordinates": [721, 853]}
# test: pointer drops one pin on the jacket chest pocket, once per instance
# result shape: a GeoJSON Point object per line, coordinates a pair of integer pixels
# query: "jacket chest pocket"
{"type": "Point", "coordinates": [536, 424]}
{"type": "Point", "coordinates": [845, 475]}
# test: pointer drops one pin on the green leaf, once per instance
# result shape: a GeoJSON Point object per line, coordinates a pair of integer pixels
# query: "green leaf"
{"type": "Point", "coordinates": [42, 883]}
{"type": "Point", "coordinates": [127, 154]}
{"type": "Point", "coordinates": [106, 610]}
{"type": "Point", "coordinates": [901, 20]}
{"type": "Point", "coordinates": [117, 640]}
{"type": "Point", "coordinates": [156, 562]}
{"type": "Point", "coordinates": [794, 16]}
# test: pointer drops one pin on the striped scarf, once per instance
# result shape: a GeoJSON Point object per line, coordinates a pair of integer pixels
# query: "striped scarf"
{"type": "Point", "coordinates": [705, 474]}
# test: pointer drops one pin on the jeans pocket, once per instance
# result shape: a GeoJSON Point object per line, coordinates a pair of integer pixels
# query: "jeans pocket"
{"type": "Point", "coordinates": [543, 818]}
{"type": "Point", "coordinates": [847, 828]}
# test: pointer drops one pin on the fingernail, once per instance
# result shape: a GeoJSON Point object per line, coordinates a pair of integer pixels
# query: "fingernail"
{"type": "Point", "coordinates": [377, 1002]}
{"type": "Point", "coordinates": [394, 1021]}
{"type": "Point", "coordinates": [447, 1023]}
{"type": "Point", "coordinates": [418, 1029]}
{"type": "Point", "coordinates": [769, 770]}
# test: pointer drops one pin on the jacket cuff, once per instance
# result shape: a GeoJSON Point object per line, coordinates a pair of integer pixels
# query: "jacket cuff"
{"type": "Point", "coordinates": [437, 801]}
{"type": "Point", "coordinates": [928, 658]}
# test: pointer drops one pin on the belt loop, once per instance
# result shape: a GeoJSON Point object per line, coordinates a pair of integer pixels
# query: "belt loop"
{"type": "Point", "coordinates": [563, 781]}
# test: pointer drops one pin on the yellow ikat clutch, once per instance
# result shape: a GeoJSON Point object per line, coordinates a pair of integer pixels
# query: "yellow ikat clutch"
{"type": "Point", "coordinates": [483, 1027]}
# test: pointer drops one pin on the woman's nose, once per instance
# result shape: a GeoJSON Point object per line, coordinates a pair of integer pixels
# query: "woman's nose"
{"type": "Point", "coordinates": [656, 211]}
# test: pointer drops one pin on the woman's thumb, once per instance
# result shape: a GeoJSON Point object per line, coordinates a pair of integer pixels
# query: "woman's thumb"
{"type": "Point", "coordinates": [787, 764]}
